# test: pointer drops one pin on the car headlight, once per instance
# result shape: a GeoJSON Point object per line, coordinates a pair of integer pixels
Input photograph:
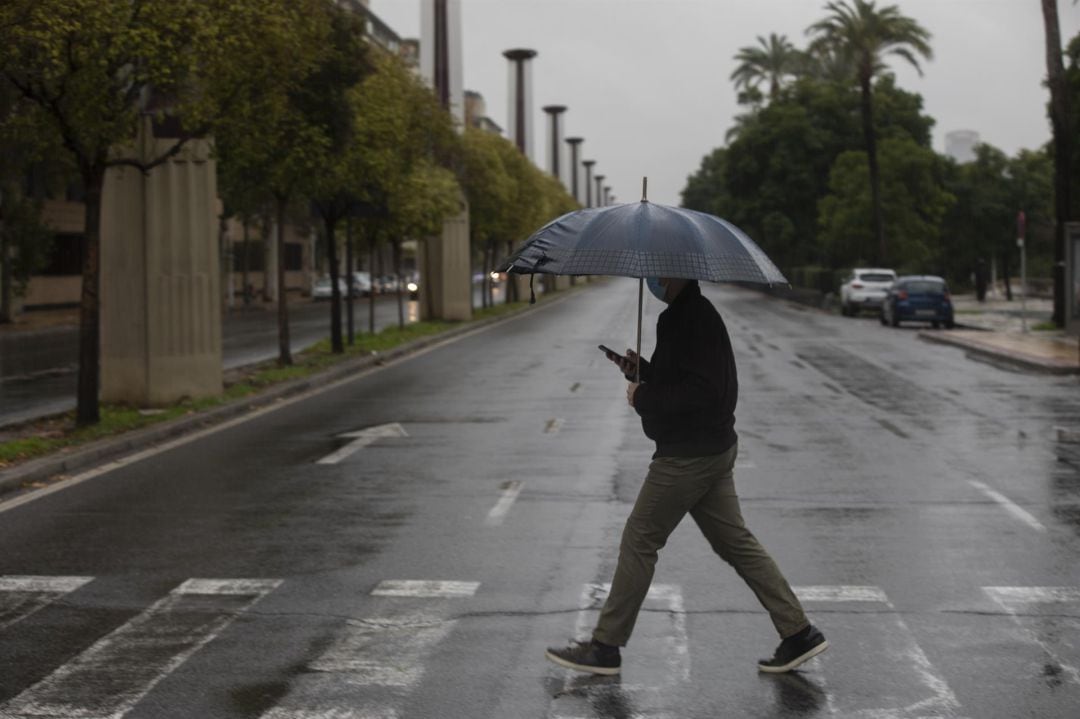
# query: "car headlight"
{"type": "Point", "coordinates": [413, 287]}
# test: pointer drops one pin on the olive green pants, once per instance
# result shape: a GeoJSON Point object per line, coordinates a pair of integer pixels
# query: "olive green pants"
{"type": "Point", "coordinates": [704, 487]}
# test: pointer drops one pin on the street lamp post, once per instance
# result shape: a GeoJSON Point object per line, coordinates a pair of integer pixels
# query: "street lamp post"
{"type": "Point", "coordinates": [518, 120]}
{"type": "Point", "coordinates": [599, 190]}
{"type": "Point", "coordinates": [588, 181]}
{"type": "Point", "coordinates": [553, 112]}
{"type": "Point", "coordinates": [574, 143]}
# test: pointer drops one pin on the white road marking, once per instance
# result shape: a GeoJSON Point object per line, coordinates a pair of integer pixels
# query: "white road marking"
{"type": "Point", "coordinates": [424, 588]}
{"type": "Point", "coordinates": [745, 465]}
{"type": "Point", "coordinates": [21, 596]}
{"type": "Point", "coordinates": [366, 672]}
{"type": "Point", "coordinates": [369, 670]}
{"type": "Point", "coordinates": [510, 493]}
{"type": "Point", "coordinates": [279, 403]}
{"type": "Point", "coordinates": [113, 675]}
{"type": "Point", "coordinates": [941, 702]}
{"type": "Point", "coordinates": [1011, 507]}
{"type": "Point", "coordinates": [840, 593]}
{"type": "Point", "coordinates": [1006, 597]}
{"type": "Point", "coordinates": [362, 438]}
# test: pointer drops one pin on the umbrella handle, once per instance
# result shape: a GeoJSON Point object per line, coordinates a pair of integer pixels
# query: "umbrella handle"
{"type": "Point", "coordinates": [640, 297]}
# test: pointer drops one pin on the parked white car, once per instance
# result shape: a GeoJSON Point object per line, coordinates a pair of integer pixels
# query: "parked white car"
{"type": "Point", "coordinates": [865, 288]}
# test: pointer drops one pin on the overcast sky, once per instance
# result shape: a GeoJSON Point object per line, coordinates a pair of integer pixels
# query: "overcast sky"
{"type": "Point", "coordinates": [646, 81]}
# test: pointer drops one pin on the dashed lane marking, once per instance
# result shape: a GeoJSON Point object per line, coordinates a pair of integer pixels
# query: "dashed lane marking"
{"type": "Point", "coordinates": [1011, 507]}
{"type": "Point", "coordinates": [510, 493]}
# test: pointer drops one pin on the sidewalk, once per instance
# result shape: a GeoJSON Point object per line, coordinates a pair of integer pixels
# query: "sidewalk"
{"type": "Point", "coordinates": [995, 329]}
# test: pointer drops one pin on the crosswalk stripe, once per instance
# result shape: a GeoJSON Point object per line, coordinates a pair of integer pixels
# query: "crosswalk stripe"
{"type": "Point", "coordinates": [424, 588]}
{"type": "Point", "coordinates": [110, 677]}
{"type": "Point", "coordinates": [21, 596]}
{"type": "Point", "coordinates": [942, 700]}
{"type": "Point", "coordinates": [1006, 597]}
{"type": "Point", "coordinates": [383, 653]}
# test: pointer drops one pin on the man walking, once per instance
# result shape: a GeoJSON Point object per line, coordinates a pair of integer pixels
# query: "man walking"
{"type": "Point", "coordinates": [686, 400]}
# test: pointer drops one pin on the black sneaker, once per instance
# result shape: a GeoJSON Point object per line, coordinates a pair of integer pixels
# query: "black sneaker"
{"type": "Point", "coordinates": [588, 657]}
{"type": "Point", "coordinates": [795, 650]}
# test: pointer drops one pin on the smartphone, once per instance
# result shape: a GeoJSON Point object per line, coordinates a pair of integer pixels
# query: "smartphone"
{"type": "Point", "coordinates": [610, 352]}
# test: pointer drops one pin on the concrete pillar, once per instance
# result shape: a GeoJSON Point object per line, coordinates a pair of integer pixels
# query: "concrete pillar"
{"type": "Point", "coordinates": [445, 271]}
{"type": "Point", "coordinates": [599, 190]}
{"type": "Point", "coordinates": [160, 278]}
{"type": "Point", "coordinates": [445, 262]}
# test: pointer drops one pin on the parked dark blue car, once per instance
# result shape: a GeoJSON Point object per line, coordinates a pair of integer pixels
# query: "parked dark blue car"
{"type": "Point", "coordinates": [918, 298]}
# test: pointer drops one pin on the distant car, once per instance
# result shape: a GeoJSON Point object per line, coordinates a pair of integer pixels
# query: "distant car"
{"type": "Point", "coordinates": [412, 284]}
{"type": "Point", "coordinates": [865, 288]}
{"type": "Point", "coordinates": [323, 288]}
{"type": "Point", "coordinates": [361, 284]}
{"type": "Point", "coordinates": [918, 298]}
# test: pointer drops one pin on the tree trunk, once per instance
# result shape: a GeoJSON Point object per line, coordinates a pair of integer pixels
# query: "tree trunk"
{"type": "Point", "coordinates": [867, 108]}
{"type": "Point", "coordinates": [400, 288]}
{"type": "Point", "coordinates": [7, 293]}
{"type": "Point", "coordinates": [511, 284]}
{"type": "Point", "coordinates": [87, 408]}
{"type": "Point", "coordinates": [284, 344]}
{"type": "Point", "coordinates": [373, 237]}
{"type": "Point", "coordinates": [350, 269]}
{"type": "Point", "coordinates": [336, 344]}
{"type": "Point", "coordinates": [245, 281]}
{"type": "Point", "coordinates": [1059, 121]}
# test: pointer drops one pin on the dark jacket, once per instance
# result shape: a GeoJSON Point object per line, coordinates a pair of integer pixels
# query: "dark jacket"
{"type": "Point", "coordinates": [689, 386]}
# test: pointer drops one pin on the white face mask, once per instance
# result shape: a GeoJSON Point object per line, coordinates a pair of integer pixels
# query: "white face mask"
{"type": "Point", "coordinates": [656, 288]}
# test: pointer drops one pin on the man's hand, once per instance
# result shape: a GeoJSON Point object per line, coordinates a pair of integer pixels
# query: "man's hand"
{"type": "Point", "coordinates": [631, 390]}
{"type": "Point", "coordinates": [627, 364]}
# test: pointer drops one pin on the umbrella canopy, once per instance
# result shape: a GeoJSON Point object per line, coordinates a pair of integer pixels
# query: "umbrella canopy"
{"type": "Point", "coordinates": [644, 239]}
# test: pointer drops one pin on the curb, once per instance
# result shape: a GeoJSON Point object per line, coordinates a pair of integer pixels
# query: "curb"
{"type": "Point", "coordinates": [1027, 362]}
{"type": "Point", "coordinates": [68, 461]}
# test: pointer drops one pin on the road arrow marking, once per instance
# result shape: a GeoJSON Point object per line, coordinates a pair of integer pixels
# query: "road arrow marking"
{"type": "Point", "coordinates": [363, 438]}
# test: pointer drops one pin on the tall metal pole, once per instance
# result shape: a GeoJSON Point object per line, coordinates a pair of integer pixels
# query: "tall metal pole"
{"type": "Point", "coordinates": [574, 142]}
{"type": "Point", "coordinates": [599, 190]}
{"type": "Point", "coordinates": [518, 123]}
{"type": "Point", "coordinates": [588, 181]}
{"type": "Point", "coordinates": [442, 54]}
{"type": "Point", "coordinates": [553, 112]}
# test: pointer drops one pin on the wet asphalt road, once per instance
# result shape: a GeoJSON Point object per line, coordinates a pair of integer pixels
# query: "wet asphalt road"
{"type": "Point", "coordinates": [910, 494]}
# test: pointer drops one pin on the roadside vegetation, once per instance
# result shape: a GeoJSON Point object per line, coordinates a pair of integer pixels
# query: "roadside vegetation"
{"type": "Point", "coordinates": [312, 125]}
{"type": "Point", "coordinates": [830, 165]}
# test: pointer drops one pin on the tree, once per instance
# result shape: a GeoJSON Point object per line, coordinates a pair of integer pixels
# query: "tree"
{"type": "Point", "coordinates": [916, 202]}
{"type": "Point", "coordinates": [864, 34]}
{"type": "Point", "coordinates": [403, 137]}
{"type": "Point", "coordinates": [487, 185]}
{"type": "Point", "coordinates": [95, 71]}
{"type": "Point", "coordinates": [768, 62]}
{"type": "Point", "coordinates": [1063, 139]}
{"type": "Point", "coordinates": [325, 103]}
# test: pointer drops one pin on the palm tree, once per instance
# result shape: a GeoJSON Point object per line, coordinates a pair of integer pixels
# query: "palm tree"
{"type": "Point", "coordinates": [1059, 122]}
{"type": "Point", "coordinates": [865, 34]}
{"type": "Point", "coordinates": [769, 61]}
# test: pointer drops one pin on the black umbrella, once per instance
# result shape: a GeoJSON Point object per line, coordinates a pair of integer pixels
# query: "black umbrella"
{"type": "Point", "coordinates": [644, 239]}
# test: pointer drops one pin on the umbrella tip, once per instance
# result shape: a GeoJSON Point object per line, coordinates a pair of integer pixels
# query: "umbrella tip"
{"type": "Point", "coordinates": [644, 189]}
